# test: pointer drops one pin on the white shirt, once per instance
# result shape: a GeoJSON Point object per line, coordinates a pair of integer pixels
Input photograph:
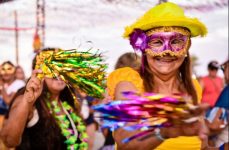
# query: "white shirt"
{"type": "Point", "coordinates": [15, 86]}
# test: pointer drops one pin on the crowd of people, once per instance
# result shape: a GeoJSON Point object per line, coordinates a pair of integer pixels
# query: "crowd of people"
{"type": "Point", "coordinates": [42, 114]}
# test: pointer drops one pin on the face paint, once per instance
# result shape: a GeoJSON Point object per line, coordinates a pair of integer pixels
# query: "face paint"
{"type": "Point", "coordinates": [168, 40]}
{"type": "Point", "coordinates": [7, 69]}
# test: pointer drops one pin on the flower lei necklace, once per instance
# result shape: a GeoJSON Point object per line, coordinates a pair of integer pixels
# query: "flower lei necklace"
{"type": "Point", "coordinates": [65, 120]}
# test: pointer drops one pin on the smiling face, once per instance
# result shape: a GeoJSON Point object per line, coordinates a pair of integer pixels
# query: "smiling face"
{"type": "Point", "coordinates": [165, 65]}
{"type": "Point", "coordinates": [7, 72]}
{"type": "Point", "coordinates": [167, 47]}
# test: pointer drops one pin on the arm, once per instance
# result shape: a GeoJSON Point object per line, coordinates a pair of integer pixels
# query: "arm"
{"type": "Point", "coordinates": [191, 129]}
{"type": "Point", "coordinates": [21, 112]}
{"type": "Point", "coordinates": [8, 97]}
{"type": "Point", "coordinates": [216, 125]}
{"type": "Point", "coordinates": [147, 144]}
{"type": "Point", "coordinates": [14, 125]}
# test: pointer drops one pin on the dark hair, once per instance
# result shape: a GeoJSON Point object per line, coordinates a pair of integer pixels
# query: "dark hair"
{"type": "Point", "coordinates": [8, 62]}
{"type": "Point", "coordinates": [213, 65]}
{"type": "Point", "coordinates": [128, 59]}
{"type": "Point", "coordinates": [49, 124]}
{"type": "Point", "coordinates": [184, 74]}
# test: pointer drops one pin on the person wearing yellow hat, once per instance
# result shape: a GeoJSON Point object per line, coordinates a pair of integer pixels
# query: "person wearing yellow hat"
{"type": "Point", "coordinates": [163, 36]}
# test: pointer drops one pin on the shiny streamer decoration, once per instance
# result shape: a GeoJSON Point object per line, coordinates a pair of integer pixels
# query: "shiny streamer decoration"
{"type": "Point", "coordinates": [82, 70]}
{"type": "Point", "coordinates": [145, 112]}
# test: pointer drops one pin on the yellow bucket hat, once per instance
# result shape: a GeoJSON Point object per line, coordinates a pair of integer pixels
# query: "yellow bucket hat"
{"type": "Point", "coordinates": [167, 14]}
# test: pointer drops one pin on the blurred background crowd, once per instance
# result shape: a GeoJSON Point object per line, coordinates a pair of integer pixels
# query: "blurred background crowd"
{"type": "Point", "coordinates": [26, 27]}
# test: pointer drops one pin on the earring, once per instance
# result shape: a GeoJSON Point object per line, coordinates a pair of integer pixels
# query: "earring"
{"type": "Point", "coordinates": [185, 55]}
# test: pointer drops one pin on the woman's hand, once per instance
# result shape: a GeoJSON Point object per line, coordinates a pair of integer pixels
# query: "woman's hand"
{"type": "Point", "coordinates": [217, 123]}
{"type": "Point", "coordinates": [195, 128]}
{"type": "Point", "coordinates": [34, 87]}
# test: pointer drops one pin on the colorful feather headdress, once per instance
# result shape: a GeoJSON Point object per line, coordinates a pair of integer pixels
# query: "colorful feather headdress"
{"type": "Point", "coordinates": [82, 70]}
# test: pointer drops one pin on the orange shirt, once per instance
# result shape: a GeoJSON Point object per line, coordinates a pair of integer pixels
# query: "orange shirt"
{"type": "Point", "coordinates": [211, 90]}
{"type": "Point", "coordinates": [130, 75]}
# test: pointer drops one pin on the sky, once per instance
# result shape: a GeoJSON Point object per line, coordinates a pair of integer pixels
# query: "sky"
{"type": "Point", "coordinates": [69, 24]}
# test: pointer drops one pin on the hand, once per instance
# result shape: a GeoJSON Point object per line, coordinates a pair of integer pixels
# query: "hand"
{"type": "Point", "coordinates": [34, 87]}
{"type": "Point", "coordinates": [217, 124]}
{"type": "Point", "coordinates": [197, 128]}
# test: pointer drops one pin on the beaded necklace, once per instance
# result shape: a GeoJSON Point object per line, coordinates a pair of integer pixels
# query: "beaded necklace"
{"type": "Point", "coordinates": [65, 120]}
